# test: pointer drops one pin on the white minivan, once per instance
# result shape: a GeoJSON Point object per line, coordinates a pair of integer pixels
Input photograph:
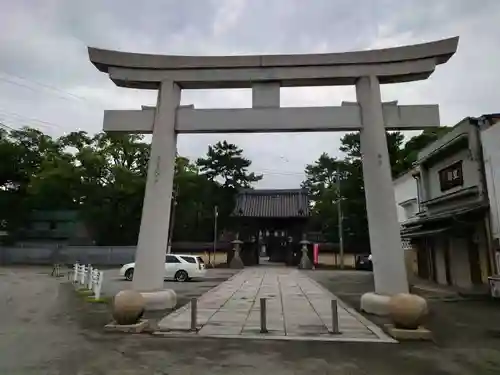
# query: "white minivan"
{"type": "Point", "coordinates": [180, 267]}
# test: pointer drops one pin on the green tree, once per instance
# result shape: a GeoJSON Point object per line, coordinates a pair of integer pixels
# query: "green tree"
{"type": "Point", "coordinates": [111, 169]}
{"type": "Point", "coordinates": [225, 164]}
{"type": "Point", "coordinates": [416, 144]}
{"type": "Point", "coordinates": [195, 200]}
{"type": "Point", "coordinates": [11, 182]}
{"type": "Point", "coordinates": [225, 161]}
{"type": "Point", "coordinates": [350, 145]}
{"type": "Point", "coordinates": [320, 182]}
{"type": "Point", "coordinates": [24, 153]}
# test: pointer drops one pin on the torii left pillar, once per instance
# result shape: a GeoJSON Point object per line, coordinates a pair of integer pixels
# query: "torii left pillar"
{"type": "Point", "coordinates": [149, 270]}
{"type": "Point", "coordinates": [385, 242]}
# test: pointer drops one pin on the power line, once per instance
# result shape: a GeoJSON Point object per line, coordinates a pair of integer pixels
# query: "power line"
{"type": "Point", "coordinates": [22, 124]}
{"type": "Point", "coordinates": [22, 117]}
{"type": "Point", "coordinates": [6, 126]}
{"type": "Point", "coordinates": [48, 88]}
{"type": "Point", "coordinates": [279, 172]}
{"type": "Point", "coordinates": [33, 125]}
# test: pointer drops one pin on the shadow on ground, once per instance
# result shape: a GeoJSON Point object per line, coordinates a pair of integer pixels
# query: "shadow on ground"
{"type": "Point", "coordinates": [453, 322]}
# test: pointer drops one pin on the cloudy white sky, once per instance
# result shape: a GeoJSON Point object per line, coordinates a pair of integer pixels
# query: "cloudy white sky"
{"type": "Point", "coordinates": [46, 80]}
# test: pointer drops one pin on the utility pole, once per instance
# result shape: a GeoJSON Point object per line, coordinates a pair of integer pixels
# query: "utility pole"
{"type": "Point", "coordinates": [216, 215]}
{"type": "Point", "coordinates": [340, 219]}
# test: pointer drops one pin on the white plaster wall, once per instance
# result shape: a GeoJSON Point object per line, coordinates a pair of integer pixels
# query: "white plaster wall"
{"type": "Point", "coordinates": [459, 263]}
{"type": "Point", "coordinates": [405, 188]}
{"type": "Point", "coordinates": [470, 174]}
{"type": "Point", "coordinates": [490, 139]}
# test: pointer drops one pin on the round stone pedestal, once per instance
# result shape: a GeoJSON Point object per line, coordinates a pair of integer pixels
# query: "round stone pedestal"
{"type": "Point", "coordinates": [128, 307]}
{"type": "Point", "coordinates": [376, 304]}
{"type": "Point", "coordinates": [159, 300]}
{"type": "Point", "coordinates": [407, 311]}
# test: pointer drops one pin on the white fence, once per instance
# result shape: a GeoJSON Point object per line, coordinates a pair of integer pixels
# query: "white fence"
{"type": "Point", "coordinates": [88, 277]}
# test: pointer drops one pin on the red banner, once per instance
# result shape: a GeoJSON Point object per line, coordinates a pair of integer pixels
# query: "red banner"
{"type": "Point", "coordinates": [316, 253]}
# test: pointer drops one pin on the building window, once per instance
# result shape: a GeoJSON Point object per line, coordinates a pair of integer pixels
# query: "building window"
{"type": "Point", "coordinates": [410, 210]}
{"type": "Point", "coordinates": [451, 176]}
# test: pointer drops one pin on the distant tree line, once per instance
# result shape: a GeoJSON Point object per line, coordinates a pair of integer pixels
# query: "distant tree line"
{"type": "Point", "coordinates": [325, 191]}
{"type": "Point", "coordinates": [103, 176]}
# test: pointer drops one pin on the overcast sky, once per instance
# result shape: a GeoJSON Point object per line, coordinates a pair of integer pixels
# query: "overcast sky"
{"type": "Point", "coordinates": [47, 81]}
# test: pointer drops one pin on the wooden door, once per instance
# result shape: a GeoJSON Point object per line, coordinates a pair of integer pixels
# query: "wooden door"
{"type": "Point", "coordinates": [431, 253]}
{"type": "Point", "coordinates": [447, 269]}
{"type": "Point", "coordinates": [475, 268]}
{"type": "Point", "coordinates": [423, 260]}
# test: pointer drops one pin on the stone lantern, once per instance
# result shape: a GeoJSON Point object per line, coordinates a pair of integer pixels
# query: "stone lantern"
{"type": "Point", "coordinates": [236, 262]}
{"type": "Point", "coordinates": [305, 262]}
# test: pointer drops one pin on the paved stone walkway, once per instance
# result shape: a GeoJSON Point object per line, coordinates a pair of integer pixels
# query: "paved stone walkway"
{"type": "Point", "coordinates": [298, 308]}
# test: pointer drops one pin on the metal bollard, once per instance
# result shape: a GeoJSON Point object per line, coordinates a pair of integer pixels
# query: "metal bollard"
{"type": "Point", "coordinates": [335, 318]}
{"type": "Point", "coordinates": [194, 312]}
{"type": "Point", "coordinates": [263, 323]}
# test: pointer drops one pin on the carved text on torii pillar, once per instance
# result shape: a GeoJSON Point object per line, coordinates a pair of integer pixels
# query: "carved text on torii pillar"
{"type": "Point", "coordinates": [157, 169]}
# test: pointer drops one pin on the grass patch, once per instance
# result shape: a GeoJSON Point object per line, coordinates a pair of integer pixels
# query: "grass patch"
{"type": "Point", "coordinates": [88, 296]}
{"type": "Point", "coordinates": [103, 299]}
{"type": "Point", "coordinates": [84, 292]}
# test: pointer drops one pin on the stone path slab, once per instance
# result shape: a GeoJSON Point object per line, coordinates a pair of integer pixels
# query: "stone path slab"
{"type": "Point", "coordinates": [297, 308]}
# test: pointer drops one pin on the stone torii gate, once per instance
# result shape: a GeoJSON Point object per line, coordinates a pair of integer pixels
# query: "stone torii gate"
{"type": "Point", "coordinates": [265, 74]}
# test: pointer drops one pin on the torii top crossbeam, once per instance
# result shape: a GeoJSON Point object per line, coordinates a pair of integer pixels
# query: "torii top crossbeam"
{"type": "Point", "coordinates": [390, 65]}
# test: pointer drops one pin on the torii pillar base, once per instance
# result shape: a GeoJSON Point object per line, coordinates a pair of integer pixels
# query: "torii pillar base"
{"type": "Point", "coordinates": [373, 303]}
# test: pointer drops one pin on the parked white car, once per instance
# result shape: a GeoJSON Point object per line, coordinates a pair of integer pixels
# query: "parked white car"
{"type": "Point", "coordinates": [180, 267]}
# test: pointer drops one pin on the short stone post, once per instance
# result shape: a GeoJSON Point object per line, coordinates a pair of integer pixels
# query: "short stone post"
{"type": "Point", "coordinates": [98, 281]}
{"type": "Point", "coordinates": [90, 281]}
{"type": "Point", "coordinates": [76, 269]}
{"type": "Point", "coordinates": [83, 273]}
{"type": "Point", "coordinates": [305, 262]}
{"type": "Point", "coordinates": [194, 313]}
{"type": "Point", "coordinates": [335, 317]}
{"type": "Point", "coordinates": [263, 313]}
{"type": "Point", "coordinates": [236, 262]}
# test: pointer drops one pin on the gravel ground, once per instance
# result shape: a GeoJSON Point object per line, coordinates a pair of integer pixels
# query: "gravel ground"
{"type": "Point", "coordinates": [185, 291]}
{"type": "Point", "coordinates": [45, 328]}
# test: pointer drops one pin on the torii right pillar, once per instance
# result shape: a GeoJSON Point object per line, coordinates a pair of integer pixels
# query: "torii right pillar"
{"type": "Point", "coordinates": [385, 241]}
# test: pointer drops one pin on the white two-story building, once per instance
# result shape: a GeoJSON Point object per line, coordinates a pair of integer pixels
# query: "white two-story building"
{"type": "Point", "coordinates": [448, 205]}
